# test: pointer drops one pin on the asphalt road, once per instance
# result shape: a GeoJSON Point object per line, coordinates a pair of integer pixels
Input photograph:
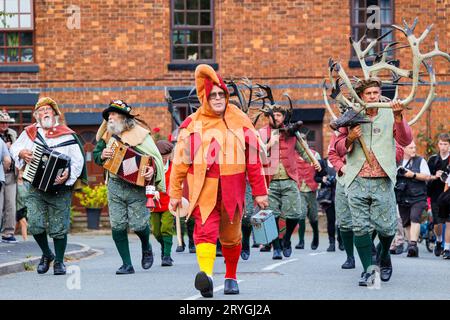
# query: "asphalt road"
{"type": "Point", "coordinates": [306, 274]}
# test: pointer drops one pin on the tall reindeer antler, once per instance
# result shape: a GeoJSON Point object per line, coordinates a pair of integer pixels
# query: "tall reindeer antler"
{"type": "Point", "coordinates": [380, 63]}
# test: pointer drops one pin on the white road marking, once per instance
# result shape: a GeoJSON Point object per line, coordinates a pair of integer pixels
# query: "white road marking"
{"type": "Point", "coordinates": [317, 254]}
{"type": "Point", "coordinates": [273, 266]}
{"type": "Point", "coordinates": [216, 289]}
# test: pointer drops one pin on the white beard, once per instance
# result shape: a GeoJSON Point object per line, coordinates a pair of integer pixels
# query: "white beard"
{"type": "Point", "coordinates": [47, 123]}
{"type": "Point", "coordinates": [115, 127]}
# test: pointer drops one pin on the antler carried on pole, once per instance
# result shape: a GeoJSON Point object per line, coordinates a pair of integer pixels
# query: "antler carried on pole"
{"type": "Point", "coordinates": [381, 63]}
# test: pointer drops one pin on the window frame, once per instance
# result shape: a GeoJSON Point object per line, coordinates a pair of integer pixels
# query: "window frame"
{"type": "Point", "coordinates": [19, 125]}
{"type": "Point", "coordinates": [5, 31]}
{"type": "Point", "coordinates": [184, 27]}
{"type": "Point", "coordinates": [353, 25]}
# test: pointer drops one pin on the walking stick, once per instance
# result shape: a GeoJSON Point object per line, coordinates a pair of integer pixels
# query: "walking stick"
{"type": "Point", "coordinates": [178, 226]}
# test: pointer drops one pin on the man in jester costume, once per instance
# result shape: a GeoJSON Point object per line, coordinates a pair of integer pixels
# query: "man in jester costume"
{"type": "Point", "coordinates": [217, 148]}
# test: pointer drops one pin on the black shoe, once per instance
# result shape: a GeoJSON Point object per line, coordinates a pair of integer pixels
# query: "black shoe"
{"type": "Point", "coordinates": [255, 245]}
{"type": "Point", "coordinates": [44, 264]}
{"type": "Point", "coordinates": [125, 269]}
{"type": "Point", "coordinates": [341, 246]}
{"type": "Point", "coordinates": [147, 259]}
{"type": "Point", "coordinates": [204, 284]}
{"type": "Point", "coordinates": [59, 268]}
{"type": "Point", "coordinates": [180, 248]}
{"type": "Point", "coordinates": [367, 279]}
{"type": "Point", "coordinates": [332, 247]}
{"type": "Point", "coordinates": [446, 255]}
{"type": "Point", "coordinates": [192, 248]}
{"type": "Point", "coordinates": [287, 251]}
{"type": "Point", "coordinates": [315, 244]}
{"type": "Point", "coordinates": [277, 254]}
{"type": "Point", "coordinates": [349, 263]}
{"type": "Point", "coordinates": [219, 253]}
{"type": "Point", "coordinates": [300, 245]}
{"type": "Point", "coordinates": [265, 248]}
{"type": "Point", "coordinates": [166, 261]}
{"type": "Point", "coordinates": [245, 254]}
{"type": "Point", "coordinates": [385, 269]}
{"type": "Point", "coordinates": [413, 251]}
{"type": "Point", "coordinates": [438, 249]}
{"type": "Point", "coordinates": [231, 287]}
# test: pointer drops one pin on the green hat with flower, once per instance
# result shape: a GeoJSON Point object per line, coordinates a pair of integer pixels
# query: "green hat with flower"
{"type": "Point", "coordinates": [118, 106]}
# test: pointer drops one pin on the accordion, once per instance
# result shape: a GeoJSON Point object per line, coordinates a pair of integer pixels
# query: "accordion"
{"type": "Point", "coordinates": [127, 163]}
{"type": "Point", "coordinates": [45, 167]}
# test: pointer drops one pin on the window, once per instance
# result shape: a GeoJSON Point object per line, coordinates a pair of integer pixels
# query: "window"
{"type": "Point", "coordinates": [362, 12]}
{"type": "Point", "coordinates": [192, 33]}
{"type": "Point", "coordinates": [16, 32]}
{"type": "Point", "coordinates": [23, 117]}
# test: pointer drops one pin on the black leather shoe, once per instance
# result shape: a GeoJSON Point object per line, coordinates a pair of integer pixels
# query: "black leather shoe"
{"type": "Point", "coordinates": [300, 245]}
{"type": "Point", "coordinates": [265, 248]}
{"type": "Point", "coordinates": [180, 248]}
{"type": "Point", "coordinates": [231, 287]}
{"type": "Point", "coordinates": [341, 246]}
{"type": "Point", "coordinates": [255, 245]}
{"type": "Point", "coordinates": [245, 254]}
{"type": "Point", "coordinates": [125, 269]}
{"type": "Point", "coordinates": [367, 279]}
{"type": "Point", "coordinates": [385, 269]}
{"type": "Point", "coordinates": [44, 264]}
{"type": "Point", "coordinates": [287, 250]}
{"type": "Point", "coordinates": [331, 248]}
{"type": "Point", "coordinates": [219, 253]}
{"type": "Point", "coordinates": [413, 251]}
{"type": "Point", "coordinates": [147, 259]}
{"type": "Point", "coordinates": [349, 263]}
{"type": "Point", "coordinates": [277, 254]}
{"type": "Point", "coordinates": [166, 261]}
{"type": "Point", "coordinates": [438, 250]}
{"type": "Point", "coordinates": [315, 244]}
{"type": "Point", "coordinates": [59, 268]}
{"type": "Point", "coordinates": [204, 284]}
{"type": "Point", "coordinates": [192, 248]}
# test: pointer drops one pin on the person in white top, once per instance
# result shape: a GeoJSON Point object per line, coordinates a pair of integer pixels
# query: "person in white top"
{"type": "Point", "coordinates": [44, 207]}
{"type": "Point", "coordinates": [411, 192]}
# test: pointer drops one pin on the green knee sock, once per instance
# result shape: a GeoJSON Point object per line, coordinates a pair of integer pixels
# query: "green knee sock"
{"type": "Point", "coordinates": [167, 240]}
{"type": "Point", "coordinates": [301, 230]}
{"type": "Point", "coordinates": [60, 248]}
{"type": "Point", "coordinates": [120, 238]}
{"type": "Point", "coordinates": [144, 235]}
{"type": "Point", "coordinates": [385, 245]}
{"type": "Point", "coordinates": [42, 241]}
{"type": "Point", "coordinates": [364, 246]}
{"type": "Point", "coordinates": [347, 239]}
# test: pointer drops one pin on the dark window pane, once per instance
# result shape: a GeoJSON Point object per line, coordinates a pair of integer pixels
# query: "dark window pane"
{"type": "Point", "coordinates": [361, 16]}
{"type": "Point", "coordinates": [205, 4]}
{"type": "Point", "coordinates": [386, 3]}
{"type": "Point", "coordinates": [192, 18]}
{"type": "Point", "coordinates": [179, 4]}
{"type": "Point", "coordinates": [178, 53]}
{"type": "Point", "coordinates": [26, 117]}
{"type": "Point", "coordinates": [13, 55]}
{"type": "Point", "coordinates": [2, 39]}
{"type": "Point", "coordinates": [192, 37]}
{"type": "Point", "coordinates": [26, 55]}
{"type": "Point", "coordinates": [178, 18]}
{"type": "Point", "coordinates": [386, 16]}
{"type": "Point", "coordinates": [206, 37]}
{"type": "Point", "coordinates": [206, 53]}
{"type": "Point", "coordinates": [12, 39]}
{"type": "Point", "coordinates": [192, 53]}
{"type": "Point", "coordinates": [178, 37]}
{"type": "Point", "coordinates": [26, 39]}
{"type": "Point", "coordinates": [15, 115]}
{"type": "Point", "coordinates": [205, 18]}
{"type": "Point", "coordinates": [192, 4]}
{"type": "Point", "coordinates": [2, 55]}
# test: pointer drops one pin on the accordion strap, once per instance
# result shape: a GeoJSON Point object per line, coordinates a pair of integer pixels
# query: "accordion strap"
{"type": "Point", "coordinates": [45, 145]}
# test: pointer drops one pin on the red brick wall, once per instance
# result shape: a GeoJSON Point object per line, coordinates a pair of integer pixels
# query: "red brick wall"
{"type": "Point", "coordinates": [127, 44]}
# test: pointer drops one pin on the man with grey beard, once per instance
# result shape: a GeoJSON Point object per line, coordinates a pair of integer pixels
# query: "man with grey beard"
{"type": "Point", "coordinates": [127, 201]}
{"type": "Point", "coordinates": [47, 209]}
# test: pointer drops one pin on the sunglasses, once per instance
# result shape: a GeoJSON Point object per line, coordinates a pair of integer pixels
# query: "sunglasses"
{"type": "Point", "coordinates": [215, 95]}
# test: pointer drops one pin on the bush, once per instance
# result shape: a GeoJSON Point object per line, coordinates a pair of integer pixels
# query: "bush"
{"type": "Point", "coordinates": [95, 197]}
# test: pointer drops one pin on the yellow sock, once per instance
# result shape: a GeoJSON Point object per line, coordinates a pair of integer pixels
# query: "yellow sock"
{"type": "Point", "coordinates": [206, 255]}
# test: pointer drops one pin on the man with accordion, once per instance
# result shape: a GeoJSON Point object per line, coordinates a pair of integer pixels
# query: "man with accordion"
{"type": "Point", "coordinates": [135, 171]}
{"type": "Point", "coordinates": [54, 160]}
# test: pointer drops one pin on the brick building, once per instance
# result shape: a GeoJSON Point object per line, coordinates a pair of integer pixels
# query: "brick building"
{"type": "Point", "coordinates": [85, 53]}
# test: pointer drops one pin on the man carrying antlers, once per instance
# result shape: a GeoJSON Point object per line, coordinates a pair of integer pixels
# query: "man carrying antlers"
{"type": "Point", "coordinates": [370, 185]}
